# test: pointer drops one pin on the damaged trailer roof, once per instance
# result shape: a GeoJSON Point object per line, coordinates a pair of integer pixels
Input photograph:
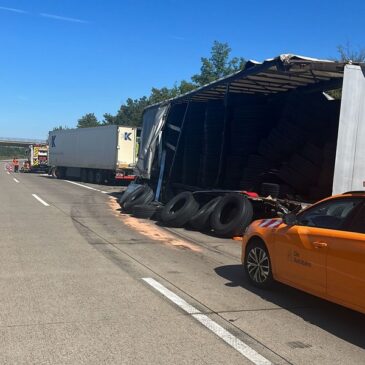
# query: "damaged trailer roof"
{"type": "Point", "coordinates": [279, 74]}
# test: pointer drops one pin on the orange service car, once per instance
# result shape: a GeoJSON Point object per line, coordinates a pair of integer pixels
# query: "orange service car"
{"type": "Point", "coordinates": [320, 250]}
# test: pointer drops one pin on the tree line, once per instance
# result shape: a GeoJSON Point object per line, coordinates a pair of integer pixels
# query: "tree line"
{"type": "Point", "coordinates": [217, 65]}
{"type": "Point", "coordinates": [7, 152]}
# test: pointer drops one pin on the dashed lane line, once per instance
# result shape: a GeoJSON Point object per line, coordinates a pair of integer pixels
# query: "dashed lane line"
{"type": "Point", "coordinates": [86, 187]}
{"type": "Point", "coordinates": [16, 180]}
{"type": "Point", "coordinates": [40, 200]}
{"type": "Point", "coordinates": [245, 350]}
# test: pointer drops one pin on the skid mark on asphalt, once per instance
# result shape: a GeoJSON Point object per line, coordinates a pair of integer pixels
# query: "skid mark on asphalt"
{"type": "Point", "coordinates": [150, 230]}
{"type": "Point", "coordinates": [245, 350]}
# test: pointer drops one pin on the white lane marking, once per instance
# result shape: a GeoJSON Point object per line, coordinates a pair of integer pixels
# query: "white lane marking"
{"type": "Point", "coordinates": [40, 200]}
{"type": "Point", "coordinates": [86, 187]}
{"type": "Point", "coordinates": [226, 336]}
{"type": "Point", "coordinates": [8, 172]}
{"type": "Point", "coordinates": [172, 296]}
{"type": "Point", "coordinates": [16, 180]}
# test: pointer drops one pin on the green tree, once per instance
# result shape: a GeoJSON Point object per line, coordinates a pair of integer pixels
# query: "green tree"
{"type": "Point", "coordinates": [129, 114]}
{"type": "Point", "coordinates": [218, 64]}
{"type": "Point", "coordinates": [158, 95]}
{"type": "Point", "coordinates": [88, 120]}
{"type": "Point", "coordinates": [186, 87]}
{"type": "Point", "coordinates": [60, 128]}
{"type": "Point", "coordinates": [109, 119]}
{"type": "Point", "coordinates": [8, 152]}
{"type": "Point", "coordinates": [165, 93]}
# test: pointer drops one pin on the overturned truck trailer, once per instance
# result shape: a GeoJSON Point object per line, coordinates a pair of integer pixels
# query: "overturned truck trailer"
{"type": "Point", "coordinates": [277, 122]}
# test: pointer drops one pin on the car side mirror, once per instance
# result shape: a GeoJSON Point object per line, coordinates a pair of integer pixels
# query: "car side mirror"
{"type": "Point", "coordinates": [290, 219]}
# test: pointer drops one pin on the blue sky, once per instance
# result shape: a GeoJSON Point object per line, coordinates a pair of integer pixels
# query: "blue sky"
{"type": "Point", "coordinates": [63, 58]}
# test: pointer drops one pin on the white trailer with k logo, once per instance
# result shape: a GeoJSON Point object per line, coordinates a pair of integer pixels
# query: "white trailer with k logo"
{"type": "Point", "coordinates": [95, 155]}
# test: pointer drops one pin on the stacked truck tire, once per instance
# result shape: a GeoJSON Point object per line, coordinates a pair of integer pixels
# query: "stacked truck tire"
{"type": "Point", "coordinates": [224, 216]}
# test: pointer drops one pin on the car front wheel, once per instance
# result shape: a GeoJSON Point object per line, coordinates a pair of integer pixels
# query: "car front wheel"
{"type": "Point", "coordinates": [258, 265]}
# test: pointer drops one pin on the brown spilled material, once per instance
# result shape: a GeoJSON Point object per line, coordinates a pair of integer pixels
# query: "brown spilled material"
{"type": "Point", "coordinates": [150, 230]}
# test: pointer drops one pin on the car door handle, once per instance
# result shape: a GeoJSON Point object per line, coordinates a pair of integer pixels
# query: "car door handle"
{"type": "Point", "coordinates": [320, 244]}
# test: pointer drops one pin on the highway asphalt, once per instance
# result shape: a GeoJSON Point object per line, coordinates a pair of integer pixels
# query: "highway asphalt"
{"type": "Point", "coordinates": [82, 283]}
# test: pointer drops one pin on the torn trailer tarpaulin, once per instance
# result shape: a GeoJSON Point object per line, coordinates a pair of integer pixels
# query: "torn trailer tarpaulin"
{"type": "Point", "coordinates": [153, 122]}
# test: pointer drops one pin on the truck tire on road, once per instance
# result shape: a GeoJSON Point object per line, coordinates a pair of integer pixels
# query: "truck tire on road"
{"type": "Point", "coordinates": [179, 209]}
{"type": "Point", "coordinates": [142, 195]}
{"type": "Point", "coordinates": [231, 215]}
{"type": "Point", "coordinates": [201, 220]}
{"type": "Point", "coordinates": [145, 211]}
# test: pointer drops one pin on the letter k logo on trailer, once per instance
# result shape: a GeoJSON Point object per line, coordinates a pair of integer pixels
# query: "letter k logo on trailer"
{"type": "Point", "coordinates": [127, 136]}
{"type": "Point", "coordinates": [53, 138]}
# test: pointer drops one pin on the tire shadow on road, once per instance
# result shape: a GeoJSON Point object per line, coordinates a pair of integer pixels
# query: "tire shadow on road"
{"type": "Point", "coordinates": [342, 322]}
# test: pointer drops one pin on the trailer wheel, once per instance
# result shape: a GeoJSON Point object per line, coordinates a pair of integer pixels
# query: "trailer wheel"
{"type": "Point", "coordinates": [84, 175]}
{"type": "Point", "coordinates": [179, 209]}
{"type": "Point", "coordinates": [201, 220]}
{"type": "Point", "coordinates": [59, 173]}
{"type": "Point", "coordinates": [90, 176]}
{"type": "Point", "coordinates": [99, 177]}
{"type": "Point", "coordinates": [231, 215]}
{"type": "Point", "coordinates": [53, 172]}
{"type": "Point", "coordinates": [143, 195]}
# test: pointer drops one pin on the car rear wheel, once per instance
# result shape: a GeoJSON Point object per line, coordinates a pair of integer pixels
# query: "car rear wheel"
{"type": "Point", "coordinates": [258, 265]}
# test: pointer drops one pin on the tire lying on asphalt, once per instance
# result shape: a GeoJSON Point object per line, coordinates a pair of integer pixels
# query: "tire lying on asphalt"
{"type": "Point", "coordinates": [127, 192]}
{"type": "Point", "coordinates": [231, 215]}
{"type": "Point", "coordinates": [145, 211]}
{"type": "Point", "coordinates": [157, 215]}
{"type": "Point", "coordinates": [142, 195]}
{"type": "Point", "coordinates": [201, 220]}
{"type": "Point", "coordinates": [179, 210]}
{"type": "Point", "coordinates": [257, 264]}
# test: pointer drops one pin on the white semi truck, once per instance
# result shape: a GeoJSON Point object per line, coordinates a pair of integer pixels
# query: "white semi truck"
{"type": "Point", "coordinates": [94, 155]}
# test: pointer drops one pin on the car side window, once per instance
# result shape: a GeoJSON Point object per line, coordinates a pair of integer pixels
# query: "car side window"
{"type": "Point", "coordinates": [357, 224]}
{"type": "Point", "coordinates": [331, 214]}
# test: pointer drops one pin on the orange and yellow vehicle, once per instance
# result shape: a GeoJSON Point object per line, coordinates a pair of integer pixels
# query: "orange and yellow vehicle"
{"type": "Point", "coordinates": [320, 250]}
